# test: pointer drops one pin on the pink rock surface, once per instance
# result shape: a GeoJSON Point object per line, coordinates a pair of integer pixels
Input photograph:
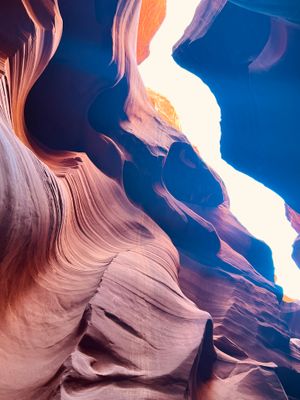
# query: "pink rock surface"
{"type": "Point", "coordinates": [118, 281]}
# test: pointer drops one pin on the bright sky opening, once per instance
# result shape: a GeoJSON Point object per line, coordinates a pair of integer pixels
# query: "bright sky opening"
{"type": "Point", "coordinates": [259, 209]}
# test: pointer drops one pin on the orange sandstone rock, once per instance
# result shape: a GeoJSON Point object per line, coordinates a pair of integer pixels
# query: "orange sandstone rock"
{"type": "Point", "coordinates": [120, 261]}
{"type": "Point", "coordinates": [165, 109]}
{"type": "Point", "coordinates": [152, 15]}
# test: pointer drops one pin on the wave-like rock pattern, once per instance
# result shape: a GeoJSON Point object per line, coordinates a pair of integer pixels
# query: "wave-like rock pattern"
{"type": "Point", "coordinates": [123, 272]}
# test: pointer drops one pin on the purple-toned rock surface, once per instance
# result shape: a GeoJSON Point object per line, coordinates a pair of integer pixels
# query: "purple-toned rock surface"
{"type": "Point", "coordinates": [123, 273]}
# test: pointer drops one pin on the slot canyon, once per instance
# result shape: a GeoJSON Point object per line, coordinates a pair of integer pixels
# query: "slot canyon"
{"type": "Point", "coordinates": [124, 272]}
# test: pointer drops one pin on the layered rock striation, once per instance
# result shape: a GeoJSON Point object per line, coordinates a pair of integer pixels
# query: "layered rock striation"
{"type": "Point", "coordinates": [124, 274]}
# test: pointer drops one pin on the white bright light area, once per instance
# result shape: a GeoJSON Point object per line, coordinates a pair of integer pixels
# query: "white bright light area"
{"type": "Point", "coordinates": [259, 209]}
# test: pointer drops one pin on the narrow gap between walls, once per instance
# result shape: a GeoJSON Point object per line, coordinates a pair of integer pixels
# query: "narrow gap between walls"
{"type": "Point", "coordinates": [258, 208]}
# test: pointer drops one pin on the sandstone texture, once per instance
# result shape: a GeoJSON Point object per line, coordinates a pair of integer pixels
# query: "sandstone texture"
{"type": "Point", "coordinates": [123, 273]}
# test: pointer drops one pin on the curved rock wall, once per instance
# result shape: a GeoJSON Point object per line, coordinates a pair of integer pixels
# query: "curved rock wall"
{"type": "Point", "coordinates": [250, 61]}
{"type": "Point", "coordinates": [123, 272]}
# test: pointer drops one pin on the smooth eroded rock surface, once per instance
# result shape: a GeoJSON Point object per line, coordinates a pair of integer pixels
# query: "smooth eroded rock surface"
{"type": "Point", "coordinates": [124, 274]}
